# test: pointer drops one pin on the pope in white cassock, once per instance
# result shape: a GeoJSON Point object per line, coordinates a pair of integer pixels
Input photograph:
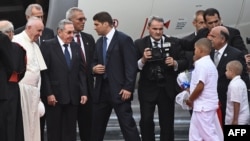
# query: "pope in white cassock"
{"type": "Point", "coordinates": [30, 84]}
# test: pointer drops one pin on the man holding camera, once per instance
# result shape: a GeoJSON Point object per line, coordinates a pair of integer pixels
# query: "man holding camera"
{"type": "Point", "coordinates": [160, 59]}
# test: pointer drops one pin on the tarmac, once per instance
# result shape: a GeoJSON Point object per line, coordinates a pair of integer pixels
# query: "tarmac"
{"type": "Point", "coordinates": [181, 123]}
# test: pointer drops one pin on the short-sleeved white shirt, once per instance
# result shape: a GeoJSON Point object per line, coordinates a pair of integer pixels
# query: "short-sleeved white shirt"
{"type": "Point", "coordinates": [205, 71]}
{"type": "Point", "coordinates": [237, 92]}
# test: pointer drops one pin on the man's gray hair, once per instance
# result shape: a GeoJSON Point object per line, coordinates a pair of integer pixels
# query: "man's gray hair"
{"type": "Point", "coordinates": [62, 23]}
{"type": "Point", "coordinates": [6, 26]}
{"type": "Point", "coordinates": [70, 12]}
{"type": "Point", "coordinates": [28, 11]}
{"type": "Point", "coordinates": [155, 18]}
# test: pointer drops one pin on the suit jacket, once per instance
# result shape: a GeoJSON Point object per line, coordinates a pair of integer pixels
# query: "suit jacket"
{"type": "Point", "coordinates": [228, 55]}
{"type": "Point", "coordinates": [67, 84]}
{"type": "Point", "coordinates": [190, 53]}
{"type": "Point", "coordinates": [89, 46]}
{"type": "Point", "coordinates": [47, 33]}
{"type": "Point", "coordinates": [148, 86]}
{"type": "Point", "coordinates": [121, 66]}
{"type": "Point", "coordinates": [190, 37]}
{"type": "Point", "coordinates": [12, 63]}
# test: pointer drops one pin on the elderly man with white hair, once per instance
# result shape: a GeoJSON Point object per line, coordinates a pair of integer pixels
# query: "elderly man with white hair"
{"type": "Point", "coordinates": [30, 84]}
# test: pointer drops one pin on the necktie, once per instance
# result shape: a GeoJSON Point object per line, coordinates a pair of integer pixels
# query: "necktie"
{"type": "Point", "coordinates": [78, 39]}
{"type": "Point", "coordinates": [66, 54]}
{"type": "Point", "coordinates": [155, 44]}
{"type": "Point", "coordinates": [82, 54]}
{"type": "Point", "coordinates": [216, 58]}
{"type": "Point", "coordinates": [104, 49]}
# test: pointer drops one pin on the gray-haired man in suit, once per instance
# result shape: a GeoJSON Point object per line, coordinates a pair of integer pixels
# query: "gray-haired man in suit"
{"type": "Point", "coordinates": [87, 44]}
{"type": "Point", "coordinates": [65, 83]}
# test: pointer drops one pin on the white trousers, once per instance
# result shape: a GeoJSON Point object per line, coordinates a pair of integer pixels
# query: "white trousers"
{"type": "Point", "coordinates": [205, 126]}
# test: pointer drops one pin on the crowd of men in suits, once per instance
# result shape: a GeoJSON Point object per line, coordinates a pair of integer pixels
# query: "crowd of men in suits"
{"type": "Point", "coordinates": [84, 79]}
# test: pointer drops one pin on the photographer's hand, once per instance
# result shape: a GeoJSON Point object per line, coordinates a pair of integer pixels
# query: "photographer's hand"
{"type": "Point", "coordinates": [170, 61]}
{"type": "Point", "coordinates": [146, 55]}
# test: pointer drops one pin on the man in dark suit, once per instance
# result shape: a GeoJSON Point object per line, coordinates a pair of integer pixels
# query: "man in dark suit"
{"type": "Point", "coordinates": [115, 69]}
{"type": "Point", "coordinates": [65, 83]}
{"type": "Point", "coordinates": [157, 82]}
{"type": "Point", "coordinates": [87, 43]}
{"type": "Point", "coordinates": [219, 36]}
{"type": "Point", "coordinates": [36, 10]}
{"type": "Point", "coordinates": [12, 68]}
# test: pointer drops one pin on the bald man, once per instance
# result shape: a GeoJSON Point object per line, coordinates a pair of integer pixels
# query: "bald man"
{"type": "Point", "coordinates": [30, 84]}
{"type": "Point", "coordinates": [219, 36]}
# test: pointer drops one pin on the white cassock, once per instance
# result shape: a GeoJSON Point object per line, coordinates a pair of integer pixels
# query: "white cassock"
{"type": "Point", "coordinates": [30, 87]}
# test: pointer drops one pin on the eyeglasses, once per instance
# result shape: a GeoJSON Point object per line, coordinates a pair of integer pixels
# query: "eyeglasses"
{"type": "Point", "coordinates": [82, 19]}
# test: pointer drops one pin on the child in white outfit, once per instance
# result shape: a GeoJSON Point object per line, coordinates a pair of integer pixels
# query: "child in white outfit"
{"type": "Point", "coordinates": [237, 110]}
{"type": "Point", "coordinates": [204, 124]}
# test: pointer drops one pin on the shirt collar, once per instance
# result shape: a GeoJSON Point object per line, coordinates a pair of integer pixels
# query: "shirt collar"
{"type": "Point", "coordinates": [221, 50]}
{"type": "Point", "coordinates": [77, 33]}
{"type": "Point", "coordinates": [27, 36]}
{"type": "Point", "coordinates": [110, 34]}
{"type": "Point", "coordinates": [159, 41]}
{"type": "Point", "coordinates": [60, 41]}
{"type": "Point", "coordinates": [207, 57]}
{"type": "Point", "coordinates": [236, 78]}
